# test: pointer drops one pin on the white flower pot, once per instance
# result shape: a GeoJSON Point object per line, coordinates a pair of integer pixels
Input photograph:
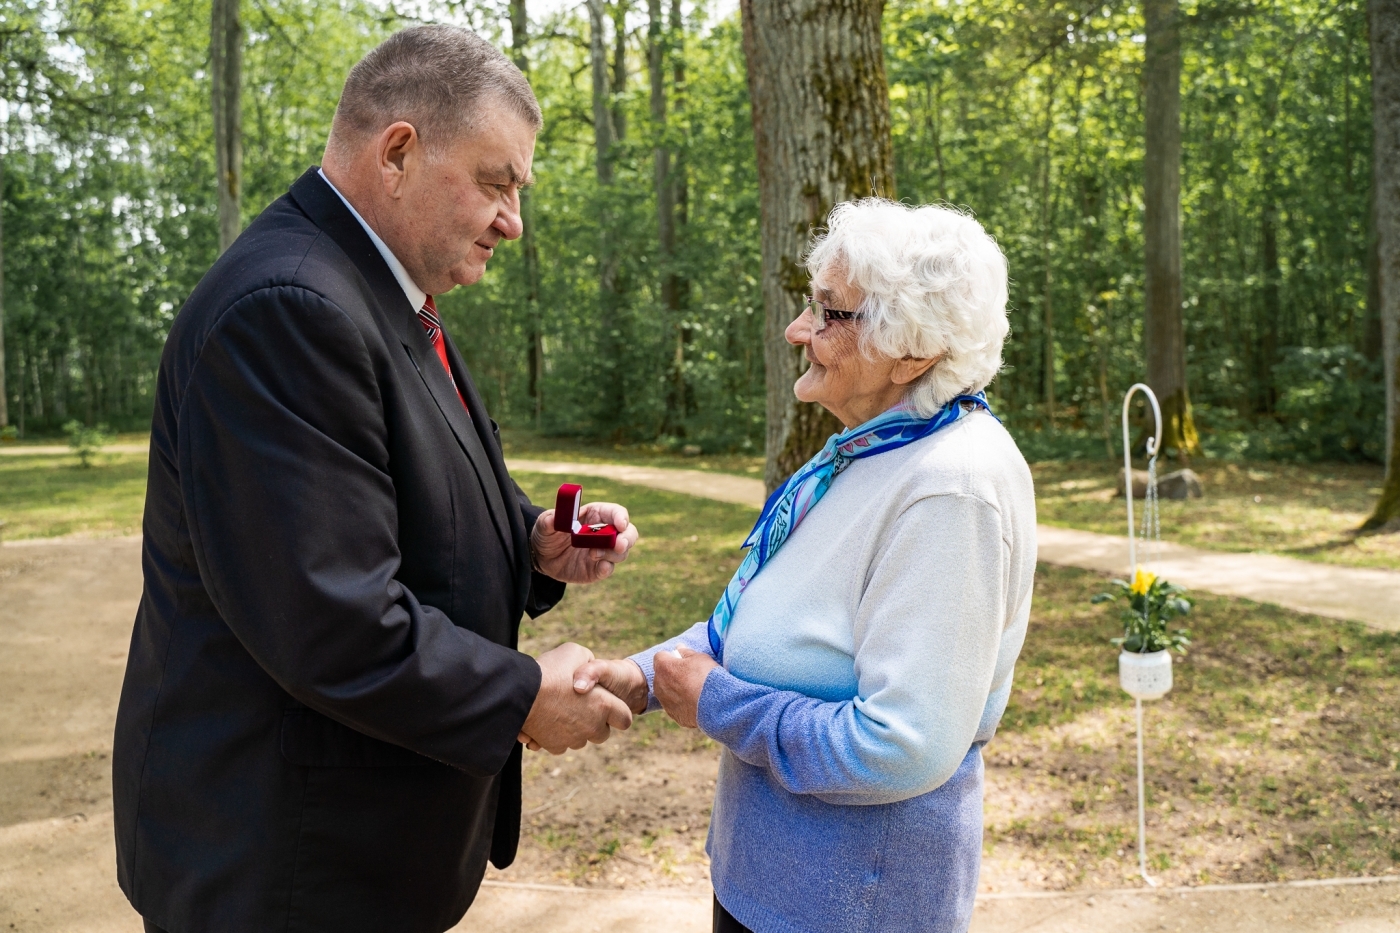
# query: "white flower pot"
{"type": "Point", "coordinates": [1145, 676]}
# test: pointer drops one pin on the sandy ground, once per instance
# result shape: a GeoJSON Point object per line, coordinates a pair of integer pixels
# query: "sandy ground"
{"type": "Point", "coordinates": [65, 618]}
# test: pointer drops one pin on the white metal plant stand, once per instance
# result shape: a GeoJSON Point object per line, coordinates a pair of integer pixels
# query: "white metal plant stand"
{"type": "Point", "coordinates": [1142, 684]}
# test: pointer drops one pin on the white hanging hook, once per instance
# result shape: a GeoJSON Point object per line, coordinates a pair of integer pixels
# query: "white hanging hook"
{"type": "Point", "coordinates": [1154, 444]}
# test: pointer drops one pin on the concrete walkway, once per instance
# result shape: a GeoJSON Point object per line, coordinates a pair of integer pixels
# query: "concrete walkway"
{"type": "Point", "coordinates": [1358, 594]}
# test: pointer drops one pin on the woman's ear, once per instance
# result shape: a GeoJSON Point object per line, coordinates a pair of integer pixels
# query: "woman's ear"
{"type": "Point", "coordinates": [909, 368]}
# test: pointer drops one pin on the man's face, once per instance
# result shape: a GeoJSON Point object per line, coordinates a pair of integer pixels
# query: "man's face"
{"type": "Point", "coordinates": [456, 204]}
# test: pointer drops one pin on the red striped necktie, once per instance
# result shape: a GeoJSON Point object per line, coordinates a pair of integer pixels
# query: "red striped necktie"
{"type": "Point", "coordinates": [432, 325]}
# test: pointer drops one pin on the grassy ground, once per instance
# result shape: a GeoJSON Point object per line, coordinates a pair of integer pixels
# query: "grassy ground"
{"type": "Point", "coordinates": [43, 496]}
{"type": "Point", "coordinates": [1308, 511]}
{"type": "Point", "coordinates": [1274, 756]}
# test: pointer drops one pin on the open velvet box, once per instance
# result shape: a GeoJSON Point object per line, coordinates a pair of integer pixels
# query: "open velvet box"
{"type": "Point", "coordinates": [566, 508]}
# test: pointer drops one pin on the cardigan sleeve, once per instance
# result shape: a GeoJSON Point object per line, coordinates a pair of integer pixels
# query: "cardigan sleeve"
{"type": "Point", "coordinates": [696, 638]}
{"type": "Point", "coordinates": [927, 634]}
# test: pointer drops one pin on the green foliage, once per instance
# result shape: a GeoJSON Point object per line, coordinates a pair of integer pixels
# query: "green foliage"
{"type": "Point", "coordinates": [1152, 602]}
{"type": "Point", "coordinates": [109, 208]}
{"type": "Point", "coordinates": [609, 371]}
{"type": "Point", "coordinates": [86, 441]}
{"type": "Point", "coordinates": [1028, 114]}
{"type": "Point", "coordinates": [1031, 116]}
{"type": "Point", "coordinates": [1329, 399]}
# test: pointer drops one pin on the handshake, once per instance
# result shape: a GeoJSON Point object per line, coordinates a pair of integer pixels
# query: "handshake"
{"type": "Point", "coordinates": [582, 699]}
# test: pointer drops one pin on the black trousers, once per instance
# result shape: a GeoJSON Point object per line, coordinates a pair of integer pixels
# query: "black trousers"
{"type": "Point", "coordinates": [724, 921]}
{"type": "Point", "coordinates": [151, 927]}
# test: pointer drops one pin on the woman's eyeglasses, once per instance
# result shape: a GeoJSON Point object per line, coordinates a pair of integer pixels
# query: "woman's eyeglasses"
{"type": "Point", "coordinates": [821, 314]}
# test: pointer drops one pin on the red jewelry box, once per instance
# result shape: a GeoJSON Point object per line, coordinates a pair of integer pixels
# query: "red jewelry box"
{"type": "Point", "coordinates": [566, 509]}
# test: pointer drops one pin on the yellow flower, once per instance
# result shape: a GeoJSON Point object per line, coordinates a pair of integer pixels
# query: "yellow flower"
{"type": "Point", "coordinates": [1142, 582]}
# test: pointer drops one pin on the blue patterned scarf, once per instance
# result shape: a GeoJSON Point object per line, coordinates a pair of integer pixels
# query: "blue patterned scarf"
{"type": "Point", "coordinates": [791, 502]}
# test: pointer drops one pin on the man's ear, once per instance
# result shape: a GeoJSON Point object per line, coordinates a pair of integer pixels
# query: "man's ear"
{"type": "Point", "coordinates": [398, 146]}
{"type": "Point", "coordinates": [908, 369]}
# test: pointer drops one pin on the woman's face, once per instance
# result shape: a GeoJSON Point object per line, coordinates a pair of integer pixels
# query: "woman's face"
{"type": "Point", "coordinates": [839, 378]}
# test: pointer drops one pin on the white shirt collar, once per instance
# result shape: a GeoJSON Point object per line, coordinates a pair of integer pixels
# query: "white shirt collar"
{"type": "Point", "coordinates": [415, 295]}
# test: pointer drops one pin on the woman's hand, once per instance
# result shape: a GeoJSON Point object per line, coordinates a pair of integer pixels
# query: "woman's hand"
{"type": "Point", "coordinates": [556, 557]}
{"type": "Point", "coordinates": [621, 677]}
{"type": "Point", "coordinates": [680, 676]}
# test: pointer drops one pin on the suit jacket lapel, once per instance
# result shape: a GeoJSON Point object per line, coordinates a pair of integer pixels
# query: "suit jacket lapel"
{"type": "Point", "coordinates": [482, 421]}
{"type": "Point", "coordinates": [435, 378]}
{"type": "Point", "coordinates": [323, 206]}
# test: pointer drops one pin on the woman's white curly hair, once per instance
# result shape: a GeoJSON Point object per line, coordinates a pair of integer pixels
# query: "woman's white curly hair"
{"type": "Point", "coordinates": [933, 284]}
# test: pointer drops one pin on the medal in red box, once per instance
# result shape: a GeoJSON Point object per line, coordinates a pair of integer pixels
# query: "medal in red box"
{"type": "Point", "coordinates": [566, 509]}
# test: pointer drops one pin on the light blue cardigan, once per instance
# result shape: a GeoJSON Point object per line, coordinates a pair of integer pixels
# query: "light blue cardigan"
{"type": "Point", "coordinates": [865, 667]}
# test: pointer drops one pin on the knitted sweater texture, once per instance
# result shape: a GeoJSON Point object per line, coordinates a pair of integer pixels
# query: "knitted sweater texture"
{"type": "Point", "coordinates": [865, 666]}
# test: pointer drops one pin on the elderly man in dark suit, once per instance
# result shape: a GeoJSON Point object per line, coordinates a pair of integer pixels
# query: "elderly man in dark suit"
{"type": "Point", "coordinates": [320, 723]}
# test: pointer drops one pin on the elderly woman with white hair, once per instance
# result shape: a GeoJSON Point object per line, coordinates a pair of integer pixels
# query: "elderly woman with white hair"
{"type": "Point", "coordinates": [863, 653]}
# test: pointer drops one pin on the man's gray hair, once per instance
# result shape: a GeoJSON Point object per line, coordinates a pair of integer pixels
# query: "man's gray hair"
{"type": "Point", "coordinates": [438, 78]}
{"type": "Point", "coordinates": [933, 284]}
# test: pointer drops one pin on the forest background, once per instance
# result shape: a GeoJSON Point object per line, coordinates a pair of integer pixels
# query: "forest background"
{"type": "Point", "coordinates": [1028, 114]}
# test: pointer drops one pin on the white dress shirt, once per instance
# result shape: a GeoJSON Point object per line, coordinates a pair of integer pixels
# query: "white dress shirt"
{"type": "Point", "coordinates": [415, 295]}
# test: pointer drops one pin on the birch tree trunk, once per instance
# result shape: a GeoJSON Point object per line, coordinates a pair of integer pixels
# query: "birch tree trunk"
{"type": "Point", "coordinates": [1384, 16]}
{"type": "Point", "coordinates": [529, 250]}
{"type": "Point", "coordinates": [226, 80]}
{"type": "Point", "coordinates": [1164, 330]}
{"type": "Point", "coordinates": [821, 124]}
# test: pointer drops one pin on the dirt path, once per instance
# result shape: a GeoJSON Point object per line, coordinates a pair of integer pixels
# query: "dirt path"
{"type": "Point", "coordinates": [65, 618]}
{"type": "Point", "coordinates": [1355, 593]}
{"type": "Point", "coordinates": [1369, 908]}
{"type": "Point", "coordinates": [1369, 596]}
{"type": "Point", "coordinates": [65, 622]}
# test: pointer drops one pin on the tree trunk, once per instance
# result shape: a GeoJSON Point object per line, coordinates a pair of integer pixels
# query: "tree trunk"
{"type": "Point", "coordinates": [660, 44]}
{"type": "Point", "coordinates": [680, 190]}
{"type": "Point", "coordinates": [1371, 336]}
{"type": "Point", "coordinates": [226, 80]}
{"type": "Point", "coordinates": [619, 68]}
{"type": "Point", "coordinates": [4, 393]}
{"type": "Point", "coordinates": [1271, 302]}
{"type": "Point", "coordinates": [602, 119]}
{"type": "Point", "coordinates": [1384, 18]}
{"type": "Point", "coordinates": [821, 124]}
{"type": "Point", "coordinates": [603, 141]}
{"type": "Point", "coordinates": [1164, 331]}
{"type": "Point", "coordinates": [1047, 220]}
{"type": "Point", "coordinates": [529, 251]}
{"type": "Point", "coordinates": [661, 155]}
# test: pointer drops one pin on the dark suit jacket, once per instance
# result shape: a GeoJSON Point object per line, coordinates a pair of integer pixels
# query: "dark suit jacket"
{"type": "Point", "coordinates": [317, 727]}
